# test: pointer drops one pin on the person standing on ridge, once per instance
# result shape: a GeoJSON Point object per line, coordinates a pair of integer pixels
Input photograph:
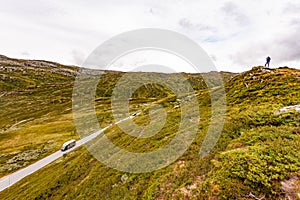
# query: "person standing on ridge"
{"type": "Point", "coordinates": [268, 61]}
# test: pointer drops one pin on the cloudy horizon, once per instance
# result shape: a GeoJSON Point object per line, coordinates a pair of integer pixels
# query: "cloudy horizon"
{"type": "Point", "coordinates": [237, 35]}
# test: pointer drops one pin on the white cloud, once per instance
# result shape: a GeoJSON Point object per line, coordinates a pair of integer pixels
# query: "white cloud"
{"type": "Point", "coordinates": [144, 58]}
{"type": "Point", "coordinates": [240, 34]}
{"type": "Point", "coordinates": [78, 57]}
{"type": "Point", "coordinates": [231, 10]}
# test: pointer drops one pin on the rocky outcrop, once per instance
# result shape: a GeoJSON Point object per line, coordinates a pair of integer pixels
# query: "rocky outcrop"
{"type": "Point", "coordinates": [12, 65]}
{"type": "Point", "coordinates": [288, 108]}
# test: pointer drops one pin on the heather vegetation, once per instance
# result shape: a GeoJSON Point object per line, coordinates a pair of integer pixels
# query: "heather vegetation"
{"type": "Point", "coordinates": [257, 155]}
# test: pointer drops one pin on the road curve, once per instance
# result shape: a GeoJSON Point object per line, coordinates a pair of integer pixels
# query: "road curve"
{"type": "Point", "coordinates": [13, 178]}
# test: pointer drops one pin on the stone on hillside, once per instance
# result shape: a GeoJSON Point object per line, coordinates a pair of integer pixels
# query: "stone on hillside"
{"type": "Point", "coordinates": [288, 108]}
{"type": "Point", "coordinates": [25, 156]}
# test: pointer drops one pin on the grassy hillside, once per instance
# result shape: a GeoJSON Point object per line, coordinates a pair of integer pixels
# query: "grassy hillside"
{"type": "Point", "coordinates": [36, 117]}
{"type": "Point", "coordinates": [256, 156]}
{"type": "Point", "coordinates": [262, 153]}
{"type": "Point", "coordinates": [35, 110]}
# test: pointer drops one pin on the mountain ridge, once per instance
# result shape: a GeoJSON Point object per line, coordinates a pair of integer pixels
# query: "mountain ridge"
{"type": "Point", "coordinates": [256, 155]}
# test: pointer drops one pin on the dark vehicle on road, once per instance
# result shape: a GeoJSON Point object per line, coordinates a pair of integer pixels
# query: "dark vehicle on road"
{"type": "Point", "coordinates": [68, 145]}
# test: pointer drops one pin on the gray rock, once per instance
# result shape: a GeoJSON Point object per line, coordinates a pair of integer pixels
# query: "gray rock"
{"type": "Point", "coordinates": [288, 108]}
{"type": "Point", "coordinates": [25, 156]}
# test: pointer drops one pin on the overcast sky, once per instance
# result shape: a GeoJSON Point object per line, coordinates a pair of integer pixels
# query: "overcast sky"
{"type": "Point", "coordinates": [236, 34]}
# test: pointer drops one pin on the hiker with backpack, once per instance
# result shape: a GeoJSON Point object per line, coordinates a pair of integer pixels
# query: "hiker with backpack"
{"type": "Point", "coordinates": [268, 61]}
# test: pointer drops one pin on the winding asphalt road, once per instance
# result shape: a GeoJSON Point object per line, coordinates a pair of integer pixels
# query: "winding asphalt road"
{"type": "Point", "coordinates": [13, 178]}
